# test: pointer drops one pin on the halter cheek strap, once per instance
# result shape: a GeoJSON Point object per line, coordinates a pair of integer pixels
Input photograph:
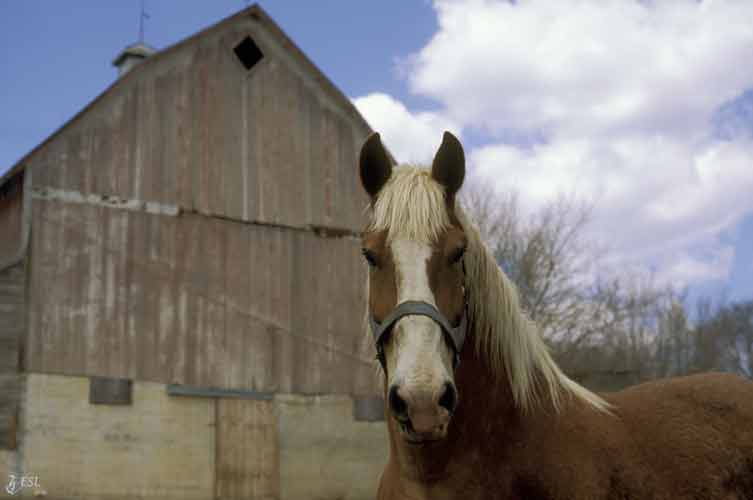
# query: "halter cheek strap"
{"type": "Point", "coordinates": [456, 335]}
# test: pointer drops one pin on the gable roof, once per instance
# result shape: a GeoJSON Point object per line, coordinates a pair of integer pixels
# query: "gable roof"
{"type": "Point", "coordinates": [255, 12]}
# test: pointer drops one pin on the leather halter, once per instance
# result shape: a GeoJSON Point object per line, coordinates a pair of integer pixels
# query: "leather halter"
{"type": "Point", "coordinates": [456, 335]}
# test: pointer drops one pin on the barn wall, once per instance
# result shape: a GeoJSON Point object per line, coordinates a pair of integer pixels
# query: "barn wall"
{"type": "Point", "coordinates": [11, 210]}
{"type": "Point", "coordinates": [160, 447]}
{"type": "Point", "coordinates": [290, 448]}
{"type": "Point", "coordinates": [195, 300]}
{"type": "Point", "coordinates": [12, 328]}
{"type": "Point", "coordinates": [194, 129]}
{"type": "Point", "coordinates": [324, 453]}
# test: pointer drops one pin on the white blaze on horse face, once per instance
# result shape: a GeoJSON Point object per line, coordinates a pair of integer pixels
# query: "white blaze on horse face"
{"type": "Point", "coordinates": [418, 357]}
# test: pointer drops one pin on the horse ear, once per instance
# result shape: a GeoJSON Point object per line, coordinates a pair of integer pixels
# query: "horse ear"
{"type": "Point", "coordinates": [448, 167]}
{"type": "Point", "coordinates": [374, 164]}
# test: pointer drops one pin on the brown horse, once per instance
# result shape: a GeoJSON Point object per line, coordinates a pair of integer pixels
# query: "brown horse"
{"type": "Point", "coordinates": [478, 409]}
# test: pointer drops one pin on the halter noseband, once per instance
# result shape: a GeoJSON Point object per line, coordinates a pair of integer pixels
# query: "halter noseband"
{"type": "Point", "coordinates": [456, 335]}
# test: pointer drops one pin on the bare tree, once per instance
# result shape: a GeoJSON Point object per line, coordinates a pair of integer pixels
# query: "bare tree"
{"type": "Point", "coordinates": [722, 338]}
{"type": "Point", "coordinates": [591, 324]}
{"type": "Point", "coordinates": [545, 254]}
{"type": "Point", "coordinates": [673, 342]}
{"type": "Point", "coordinates": [739, 343]}
{"type": "Point", "coordinates": [625, 324]}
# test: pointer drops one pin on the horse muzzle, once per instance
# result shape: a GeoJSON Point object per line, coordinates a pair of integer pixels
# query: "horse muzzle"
{"type": "Point", "coordinates": [423, 416]}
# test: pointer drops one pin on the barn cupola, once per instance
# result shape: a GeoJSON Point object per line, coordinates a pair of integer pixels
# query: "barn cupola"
{"type": "Point", "coordinates": [131, 56]}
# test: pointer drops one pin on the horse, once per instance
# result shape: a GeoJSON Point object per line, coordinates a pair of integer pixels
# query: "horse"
{"type": "Point", "coordinates": [477, 408]}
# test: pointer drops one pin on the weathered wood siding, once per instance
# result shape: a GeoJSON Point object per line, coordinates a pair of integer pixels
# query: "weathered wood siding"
{"type": "Point", "coordinates": [12, 326]}
{"type": "Point", "coordinates": [235, 285]}
{"type": "Point", "coordinates": [11, 209]}
{"type": "Point", "coordinates": [193, 128]}
{"type": "Point", "coordinates": [195, 300]}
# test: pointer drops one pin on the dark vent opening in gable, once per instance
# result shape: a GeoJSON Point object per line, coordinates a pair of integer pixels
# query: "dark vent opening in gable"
{"type": "Point", "coordinates": [248, 53]}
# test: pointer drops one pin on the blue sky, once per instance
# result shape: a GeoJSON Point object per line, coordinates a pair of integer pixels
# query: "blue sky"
{"type": "Point", "coordinates": [643, 109]}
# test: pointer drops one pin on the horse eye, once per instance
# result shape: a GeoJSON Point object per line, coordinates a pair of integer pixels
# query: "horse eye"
{"type": "Point", "coordinates": [369, 256]}
{"type": "Point", "coordinates": [457, 255]}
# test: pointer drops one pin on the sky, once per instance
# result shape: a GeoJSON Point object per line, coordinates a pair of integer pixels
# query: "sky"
{"type": "Point", "coordinates": [642, 109]}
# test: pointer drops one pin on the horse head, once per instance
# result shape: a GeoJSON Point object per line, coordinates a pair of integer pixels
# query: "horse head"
{"type": "Point", "coordinates": [417, 306]}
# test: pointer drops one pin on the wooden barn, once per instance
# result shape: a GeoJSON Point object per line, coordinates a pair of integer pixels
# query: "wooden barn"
{"type": "Point", "coordinates": [181, 289]}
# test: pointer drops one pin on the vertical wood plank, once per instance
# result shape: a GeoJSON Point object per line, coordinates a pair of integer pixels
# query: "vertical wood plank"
{"type": "Point", "coordinates": [54, 361]}
{"type": "Point", "coordinates": [189, 300]}
{"type": "Point", "coordinates": [200, 326]}
{"type": "Point", "coordinates": [33, 346]}
{"type": "Point", "coordinates": [252, 148]}
{"type": "Point", "coordinates": [152, 272]}
{"type": "Point", "coordinates": [237, 296]}
{"type": "Point", "coordinates": [215, 351]}
{"type": "Point", "coordinates": [183, 129]}
{"type": "Point", "coordinates": [213, 112]}
{"type": "Point", "coordinates": [232, 112]}
{"type": "Point", "coordinates": [282, 282]}
{"type": "Point", "coordinates": [183, 250]}
{"type": "Point", "coordinates": [118, 346]}
{"type": "Point", "coordinates": [166, 307]}
{"type": "Point", "coordinates": [90, 279]}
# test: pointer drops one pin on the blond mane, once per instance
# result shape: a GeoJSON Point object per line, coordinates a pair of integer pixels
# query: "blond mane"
{"type": "Point", "coordinates": [412, 205]}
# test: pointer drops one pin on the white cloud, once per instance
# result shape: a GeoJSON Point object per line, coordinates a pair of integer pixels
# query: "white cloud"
{"type": "Point", "coordinates": [585, 67]}
{"type": "Point", "coordinates": [622, 96]}
{"type": "Point", "coordinates": [684, 269]}
{"type": "Point", "coordinates": [650, 196]}
{"type": "Point", "coordinates": [410, 137]}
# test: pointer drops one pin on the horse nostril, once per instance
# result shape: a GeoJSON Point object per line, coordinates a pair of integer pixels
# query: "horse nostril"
{"type": "Point", "coordinates": [397, 404]}
{"type": "Point", "coordinates": [449, 398]}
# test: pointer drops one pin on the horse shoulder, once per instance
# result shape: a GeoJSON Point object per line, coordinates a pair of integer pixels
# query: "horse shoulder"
{"type": "Point", "coordinates": [696, 432]}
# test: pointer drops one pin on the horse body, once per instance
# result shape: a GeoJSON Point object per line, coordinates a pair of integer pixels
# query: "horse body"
{"type": "Point", "coordinates": [683, 438]}
{"type": "Point", "coordinates": [506, 422]}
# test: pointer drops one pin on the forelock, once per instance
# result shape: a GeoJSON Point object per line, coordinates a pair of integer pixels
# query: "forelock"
{"type": "Point", "coordinates": [411, 205]}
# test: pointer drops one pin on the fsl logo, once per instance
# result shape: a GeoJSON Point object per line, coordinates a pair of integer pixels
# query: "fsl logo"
{"type": "Point", "coordinates": [17, 482]}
